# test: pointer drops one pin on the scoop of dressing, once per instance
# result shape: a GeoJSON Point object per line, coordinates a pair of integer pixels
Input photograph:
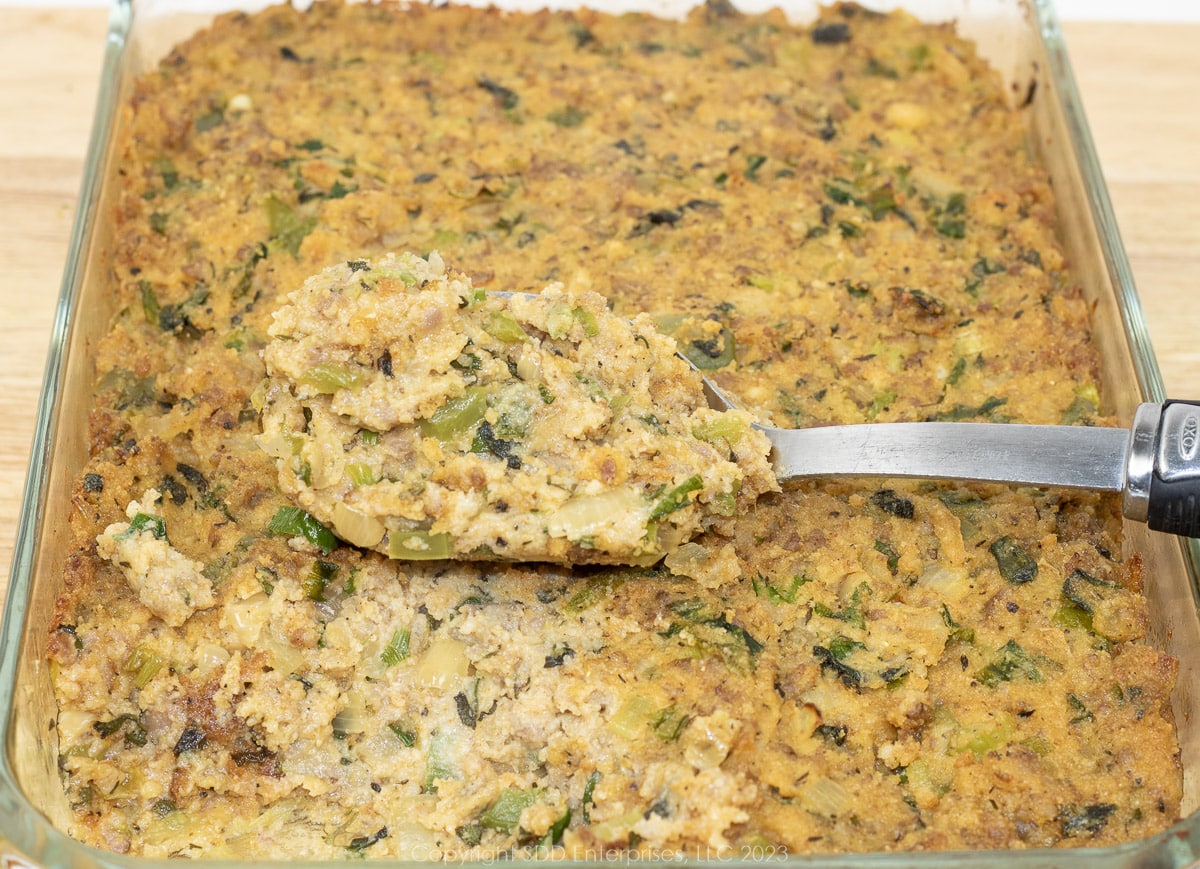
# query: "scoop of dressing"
{"type": "Point", "coordinates": [417, 416]}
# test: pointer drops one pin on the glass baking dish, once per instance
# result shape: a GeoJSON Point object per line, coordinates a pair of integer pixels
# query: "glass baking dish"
{"type": "Point", "coordinates": [1023, 42]}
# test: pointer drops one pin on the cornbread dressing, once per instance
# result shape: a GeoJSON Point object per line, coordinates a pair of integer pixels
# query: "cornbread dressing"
{"type": "Point", "coordinates": [837, 222]}
{"type": "Point", "coordinates": [421, 418]}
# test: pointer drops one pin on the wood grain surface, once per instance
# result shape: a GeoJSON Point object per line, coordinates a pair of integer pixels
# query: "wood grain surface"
{"type": "Point", "coordinates": [1139, 84]}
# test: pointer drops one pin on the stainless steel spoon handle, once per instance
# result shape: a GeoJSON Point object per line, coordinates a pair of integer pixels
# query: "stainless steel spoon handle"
{"type": "Point", "coordinates": [1163, 468]}
{"type": "Point", "coordinates": [1156, 465]}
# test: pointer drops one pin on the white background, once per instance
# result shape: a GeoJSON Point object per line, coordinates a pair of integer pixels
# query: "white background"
{"type": "Point", "coordinates": [1078, 10]}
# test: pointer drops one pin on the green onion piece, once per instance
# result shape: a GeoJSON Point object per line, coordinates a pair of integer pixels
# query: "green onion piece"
{"type": "Point", "coordinates": [555, 833]}
{"type": "Point", "coordinates": [676, 498]}
{"type": "Point", "coordinates": [295, 522]}
{"type": "Point", "coordinates": [319, 576]}
{"type": "Point", "coordinates": [708, 354]}
{"type": "Point", "coordinates": [457, 416]}
{"type": "Point", "coordinates": [589, 795]}
{"type": "Point", "coordinates": [1039, 745]}
{"type": "Point", "coordinates": [406, 735]}
{"type": "Point", "coordinates": [779, 593]}
{"type": "Point", "coordinates": [504, 814]}
{"type": "Point", "coordinates": [397, 648]}
{"type": "Point", "coordinates": [147, 522]}
{"type": "Point", "coordinates": [670, 723]}
{"type": "Point", "coordinates": [1016, 565]}
{"type": "Point", "coordinates": [1011, 662]}
{"type": "Point", "coordinates": [567, 116]}
{"type": "Point", "coordinates": [286, 226]}
{"type": "Point", "coordinates": [368, 437]}
{"type": "Point", "coordinates": [150, 307]}
{"type": "Point", "coordinates": [593, 591]}
{"type": "Point", "coordinates": [842, 647]}
{"type": "Point", "coordinates": [418, 545]}
{"type": "Point", "coordinates": [328, 379]}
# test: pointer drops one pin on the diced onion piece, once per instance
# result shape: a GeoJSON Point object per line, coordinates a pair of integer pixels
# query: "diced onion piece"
{"type": "Point", "coordinates": [443, 665]}
{"type": "Point", "coordinates": [585, 516]}
{"type": "Point", "coordinates": [826, 797]}
{"type": "Point", "coordinates": [352, 718]}
{"type": "Point", "coordinates": [73, 726]}
{"type": "Point", "coordinates": [245, 618]}
{"type": "Point", "coordinates": [357, 528]}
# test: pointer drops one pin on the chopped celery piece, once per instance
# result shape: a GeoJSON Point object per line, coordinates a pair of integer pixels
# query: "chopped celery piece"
{"type": "Point", "coordinates": [634, 716]}
{"type": "Point", "coordinates": [587, 321]}
{"type": "Point", "coordinates": [937, 777]}
{"type": "Point", "coordinates": [397, 649]}
{"type": "Point", "coordinates": [724, 427]}
{"type": "Point", "coordinates": [725, 504]}
{"type": "Point", "coordinates": [143, 664]}
{"type": "Point", "coordinates": [676, 498]}
{"type": "Point", "coordinates": [403, 275]}
{"type": "Point", "coordinates": [295, 522]}
{"type": "Point", "coordinates": [457, 416]}
{"type": "Point", "coordinates": [559, 320]}
{"type": "Point", "coordinates": [504, 814]}
{"type": "Point", "coordinates": [360, 474]}
{"type": "Point", "coordinates": [503, 326]}
{"type": "Point", "coordinates": [418, 545]}
{"type": "Point", "coordinates": [328, 378]}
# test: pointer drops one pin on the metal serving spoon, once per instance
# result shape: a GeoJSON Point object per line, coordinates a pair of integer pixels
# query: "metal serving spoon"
{"type": "Point", "coordinates": [1155, 465]}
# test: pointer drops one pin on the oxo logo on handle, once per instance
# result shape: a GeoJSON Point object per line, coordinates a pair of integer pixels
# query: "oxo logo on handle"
{"type": "Point", "coordinates": [1189, 437]}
